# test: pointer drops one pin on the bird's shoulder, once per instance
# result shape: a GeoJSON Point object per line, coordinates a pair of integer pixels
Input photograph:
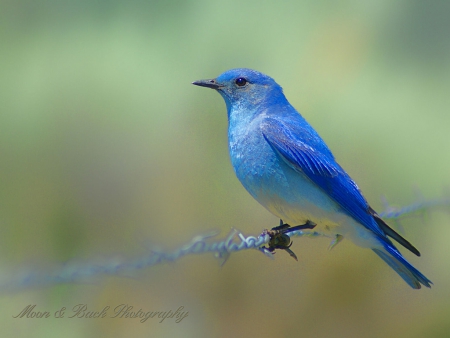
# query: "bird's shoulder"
{"type": "Point", "coordinates": [290, 126]}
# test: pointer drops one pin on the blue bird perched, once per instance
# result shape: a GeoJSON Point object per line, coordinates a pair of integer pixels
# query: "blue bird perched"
{"type": "Point", "coordinates": [286, 166]}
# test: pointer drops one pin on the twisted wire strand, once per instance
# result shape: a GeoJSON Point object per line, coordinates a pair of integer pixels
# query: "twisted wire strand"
{"type": "Point", "coordinates": [394, 213]}
{"type": "Point", "coordinates": [72, 271]}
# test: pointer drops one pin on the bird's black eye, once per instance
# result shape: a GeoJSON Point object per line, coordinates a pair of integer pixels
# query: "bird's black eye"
{"type": "Point", "coordinates": [240, 81]}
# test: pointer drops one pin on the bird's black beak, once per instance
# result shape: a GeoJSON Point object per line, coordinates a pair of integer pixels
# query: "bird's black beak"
{"type": "Point", "coordinates": [210, 83]}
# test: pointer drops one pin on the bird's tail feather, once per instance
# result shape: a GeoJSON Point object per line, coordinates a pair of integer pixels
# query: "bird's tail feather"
{"type": "Point", "coordinates": [393, 234]}
{"type": "Point", "coordinates": [396, 261]}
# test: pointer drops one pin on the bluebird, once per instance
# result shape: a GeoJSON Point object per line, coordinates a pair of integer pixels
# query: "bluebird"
{"type": "Point", "coordinates": [287, 167]}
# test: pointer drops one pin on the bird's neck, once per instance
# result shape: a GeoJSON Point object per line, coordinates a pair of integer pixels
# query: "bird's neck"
{"type": "Point", "coordinates": [244, 111]}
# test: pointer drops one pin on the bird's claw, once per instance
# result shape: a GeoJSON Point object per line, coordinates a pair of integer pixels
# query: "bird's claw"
{"type": "Point", "coordinates": [279, 238]}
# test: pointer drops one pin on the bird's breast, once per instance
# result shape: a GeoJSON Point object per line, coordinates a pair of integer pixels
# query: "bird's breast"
{"type": "Point", "coordinates": [254, 161]}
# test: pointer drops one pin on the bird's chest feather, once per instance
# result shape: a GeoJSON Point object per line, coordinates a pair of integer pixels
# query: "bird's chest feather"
{"type": "Point", "coordinates": [254, 161]}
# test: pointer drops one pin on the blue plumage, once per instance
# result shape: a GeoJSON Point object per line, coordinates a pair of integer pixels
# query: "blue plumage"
{"type": "Point", "coordinates": [285, 165]}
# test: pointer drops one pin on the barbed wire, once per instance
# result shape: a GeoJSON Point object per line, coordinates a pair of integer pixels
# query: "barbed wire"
{"type": "Point", "coordinates": [72, 271]}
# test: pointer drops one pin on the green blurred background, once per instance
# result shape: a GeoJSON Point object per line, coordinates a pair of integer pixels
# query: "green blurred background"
{"type": "Point", "coordinates": [106, 148]}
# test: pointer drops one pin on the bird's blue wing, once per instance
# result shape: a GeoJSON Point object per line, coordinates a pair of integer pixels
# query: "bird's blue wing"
{"type": "Point", "coordinates": [318, 164]}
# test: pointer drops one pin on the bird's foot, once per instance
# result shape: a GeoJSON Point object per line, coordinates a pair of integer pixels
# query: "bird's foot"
{"type": "Point", "coordinates": [279, 238]}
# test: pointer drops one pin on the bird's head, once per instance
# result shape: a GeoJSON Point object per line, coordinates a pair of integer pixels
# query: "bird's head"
{"type": "Point", "coordinates": [244, 88]}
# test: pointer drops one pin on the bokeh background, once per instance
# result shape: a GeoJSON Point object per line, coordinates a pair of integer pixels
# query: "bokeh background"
{"type": "Point", "coordinates": [107, 149]}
